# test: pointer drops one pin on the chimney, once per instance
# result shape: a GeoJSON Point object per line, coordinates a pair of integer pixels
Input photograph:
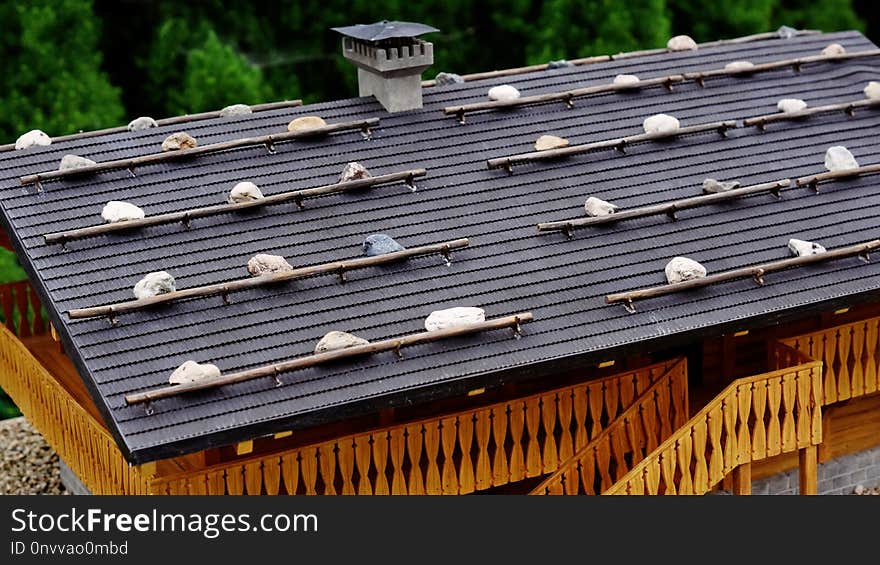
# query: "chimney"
{"type": "Point", "coordinates": [390, 59]}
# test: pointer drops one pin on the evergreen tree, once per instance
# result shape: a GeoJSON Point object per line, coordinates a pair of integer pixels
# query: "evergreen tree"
{"type": "Point", "coordinates": [708, 21]}
{"type": "Point", "coordinates": [825, 15]}
{"type": "Point", "coordinates": [216, 75]}
{"type": "Point", "coordinates": [201, 73]}
{"type": "Point", "coordinates": [581, 28]}
{"type": "Point", "coordinates": [50, 70]}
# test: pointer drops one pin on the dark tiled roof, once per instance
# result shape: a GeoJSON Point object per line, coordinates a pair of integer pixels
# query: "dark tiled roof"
{"type": "Point", "coordinates": [508, 268]}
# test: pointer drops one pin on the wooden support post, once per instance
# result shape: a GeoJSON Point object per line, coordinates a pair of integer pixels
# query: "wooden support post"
{"type": "Point", "coordinates": [808, 470]}
{"type": "Point", "coordinates": [742, 479]}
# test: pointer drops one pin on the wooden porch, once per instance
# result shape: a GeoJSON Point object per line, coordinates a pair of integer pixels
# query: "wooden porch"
{"type": "Point", "coordinates": [626, 428]}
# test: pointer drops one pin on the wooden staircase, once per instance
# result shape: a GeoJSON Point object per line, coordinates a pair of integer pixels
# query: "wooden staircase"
{"type": "Point", "coordinates": [636, 432]}
{"type": "Point", "coordinates": [753, 418]}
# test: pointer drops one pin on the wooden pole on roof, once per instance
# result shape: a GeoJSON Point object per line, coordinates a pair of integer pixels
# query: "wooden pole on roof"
{"type": "Point", "coordinates": [620, 144]}
{"type": "Point", "coordinates": [187, 216]}
{"type": "Point", "coordinates": [567, 96]}
{"type": "Point", "coordinates": [796, 64]}
{"type": "Point", "coordinates": [268, 140]}
{"type": "Point", "coordinates": [394, 344]}
{"type": "Point", "coordinates": [223, 289]}
{"type": "Point", "coordinates": [848, 107]}
{"type": "Point", "coordinates": [667, 208]}
{"type": "Point", "coordinates": [814, 180]}
{"type": "Point", "coordinates": [756, 272]}
{"type": "Point", "coordinates": [186, 118]}
{"type": "Point", "coordinates": [618, 56]}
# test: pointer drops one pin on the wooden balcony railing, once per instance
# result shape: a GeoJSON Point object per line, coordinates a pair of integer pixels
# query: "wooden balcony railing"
{"type": "Point", "coordinates": [752, 419]}
{"type": "Point", "coordinates": [22, 311]}
{"type": "Point", "coordinates": [640, 429]}
{"type": "Point", "coordinates": [81, 441]}
{"type": "Point", "coordinates": [851, 357]}
{"type": "Point", "coordinates": [456, 453]}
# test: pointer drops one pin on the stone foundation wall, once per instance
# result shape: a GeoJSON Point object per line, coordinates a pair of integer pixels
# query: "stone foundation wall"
{"type": "Point", "coordinates": [838, 476]}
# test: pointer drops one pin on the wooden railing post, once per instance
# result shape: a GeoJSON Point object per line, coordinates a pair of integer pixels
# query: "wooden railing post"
{"type": "Point", "coordinates": [742, 479]}
{"type": "Point", "coordinates": [808, 470]}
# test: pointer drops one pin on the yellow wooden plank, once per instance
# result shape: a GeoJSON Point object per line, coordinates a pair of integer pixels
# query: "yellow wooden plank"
{"type": "Point", "coordinates": [380, 461]}
{"type": "Point", "coordinates": [466, 479]}
{"type": "Point", "coordinates": [244, 447]}
{"type": "Point", "coordinates": [550, 455]}
{"type": "Point", "coordinates": [482, 432]}
{"type": "Point", "coordinates": [414, 442]}
{"type": "Point", "coordinates": [327, 467]}
{"type": "Point", "coordinates": [533, 446]}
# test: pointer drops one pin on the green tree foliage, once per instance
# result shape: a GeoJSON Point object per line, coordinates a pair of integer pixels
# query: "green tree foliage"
{"type": "Point", "coordinates": [707, 21]}
{"type": "Point", "coordinates": [581, 28]}
{"type": "Point", "coordinates": [50, 69]}
{"type": "Point", "coordinates": [206, 75]}
{"type": "Point", "coordinates": [827, 15]}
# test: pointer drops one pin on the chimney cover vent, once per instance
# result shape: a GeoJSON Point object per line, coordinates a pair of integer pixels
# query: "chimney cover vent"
{"type": "Point", "coordinates": [384, 30]}
{"type": "Point", "coordinates": [390, 60]}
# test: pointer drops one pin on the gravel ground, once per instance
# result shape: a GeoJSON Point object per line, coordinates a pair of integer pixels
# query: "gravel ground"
{"type": "Point", "coordinates": [27, 464]}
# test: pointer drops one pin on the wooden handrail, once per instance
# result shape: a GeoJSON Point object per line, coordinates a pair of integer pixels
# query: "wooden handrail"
{"type": "Point", "coordinates": [848, 107]}
{"type": "Point", "coordinates": [756, 272]}
{"type": "Point", "coordinates": [813, 180]}
{"type": "Point", "coordinates": [619, 144]}
{"type": "Point", "coordinates": [649, 421]}
{"type": "Point", "coordinates": [268, 140]}
{"type": "Point", "coordinates": [567, 96]}
{"type": "Point", "coordinates": [618, 56]}
{"type": "Point", "coordinates": [796, 64]}
{"type": "Point", "coordinates": [667, 208]}
{"type": "Point", "coordinates": [78, 434]}
{"type": "Point", "coordinates": [223, 289]}
{"type": "Point", "coordinates": [186, 216]}
{"type": "Point", "coordinates": [751, 419]}
{"type": "Point", "coordinates": [186, 118]}
{"type": "Point", "coordinates": [851, 356]}
{"type": "Point", "coordinates": [276, 369]}
{"type": "Point", "coordinates": [494, 444]}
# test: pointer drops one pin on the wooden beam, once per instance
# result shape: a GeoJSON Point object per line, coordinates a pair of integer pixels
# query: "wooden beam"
{"type": "Point", "coordinates": [756, 272]}
{"type": "Point", "coordinates": [567, 96]}
{"type": "Point", "coordinates": [275, 370]}
{"type": "Point", "coordinates": [186, 216]}
{"type": "Point", "coordinates": [268, 140]}
{"type": "Point", "coordinates": [616, 57]}
{"type": "Point", "coordinates": [186, 118]}
{"type": "Point", "coordinates": [522, 70]}
{"type": "Point", "coordinates": [667, 81]}
{"type": "Point", "coordinates": [813, 180]}
{"type": "Point", "coordinates": [223, 289]}
{"type": "Point", "coordinates": [795, 64]}
{"type": "Point", "coordinates": [808, 471]}
{"type": "Point", "coordinates": [742, 479]}
{"type": "Point", "coordinates": [619, 144]}
{"type": "Point", "coordinates": [847, 107]}
{"type": "Point", "coordinates": [667, 208]}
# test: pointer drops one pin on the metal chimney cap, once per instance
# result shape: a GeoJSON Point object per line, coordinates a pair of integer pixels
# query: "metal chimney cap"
{"type": "Point", "coordinates": [384, 30]}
